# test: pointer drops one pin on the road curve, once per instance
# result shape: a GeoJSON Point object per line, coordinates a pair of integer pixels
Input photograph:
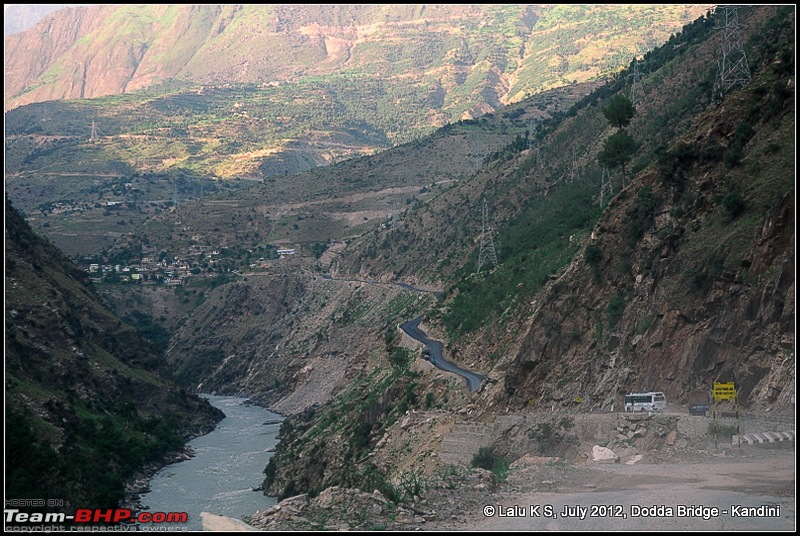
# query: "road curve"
{"type": "Point", "coordinates": [406, 286]}
{"type": "Point", "coordinates": [411, 328]}
{"type": "Point", "coordinates": [473, 379]}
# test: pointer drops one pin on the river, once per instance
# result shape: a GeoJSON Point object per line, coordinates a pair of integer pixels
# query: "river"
{"type": "Point", "coordinates": [228, 464]}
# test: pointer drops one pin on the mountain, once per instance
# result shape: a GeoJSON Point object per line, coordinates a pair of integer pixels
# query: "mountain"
{"type": "Point", "coordinates": [175, 115]}
{"type": "Point", "coordinates": [464, 59]}
{"type": "Point", "coordinates": [679, 274]}
{"type": "Point", "coordinates": [671, 259]}
{"type": "Point", "coordinates": [683, 278]}
{"type": "Point", "coordinates": [89, 401]}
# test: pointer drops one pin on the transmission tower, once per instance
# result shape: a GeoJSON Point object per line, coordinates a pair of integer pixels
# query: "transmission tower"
{"type": "Point", "coordinates": [535, 145]}
{"type": "Point", "coordinates": [606, 187]}
{"type": "Point", "coordinates": [537, 148]}
{"type": "Point", "coordinates": [94, 131]}
{"type": "Point", "coordinates": [393, 209]}
{"type": "Point", "coordinates": [732, 68]}
{"type": "Point", "coordinates": [487, 242]}
{"type": "Point", "coordinates": [636, 78]}
{"type": "Point", "coordinates": [575, 171]}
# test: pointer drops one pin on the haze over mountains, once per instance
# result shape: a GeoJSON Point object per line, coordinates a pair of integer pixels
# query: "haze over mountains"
{"type": "Point", "coordinates": [19, 17]}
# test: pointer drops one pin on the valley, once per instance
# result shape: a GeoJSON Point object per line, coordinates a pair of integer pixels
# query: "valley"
{"type": "Point", "coordinates": [344, 281]}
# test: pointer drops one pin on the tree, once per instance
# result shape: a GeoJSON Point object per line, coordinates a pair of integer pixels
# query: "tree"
{"type": "Point", "coordinates": [619, 111]}
{"type": "Point", "coordinates": [617, 151]}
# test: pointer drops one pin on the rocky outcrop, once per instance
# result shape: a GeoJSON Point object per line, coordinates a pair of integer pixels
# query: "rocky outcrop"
{"type": "Point", "coordinates": [704, 295]}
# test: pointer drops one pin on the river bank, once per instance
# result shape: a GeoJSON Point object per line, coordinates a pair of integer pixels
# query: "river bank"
{"type": "Point", "coordinates": [223, 470]}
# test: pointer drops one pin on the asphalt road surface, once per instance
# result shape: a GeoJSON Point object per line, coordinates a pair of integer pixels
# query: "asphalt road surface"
{"type": "Point", "coordinates": [411, 328]}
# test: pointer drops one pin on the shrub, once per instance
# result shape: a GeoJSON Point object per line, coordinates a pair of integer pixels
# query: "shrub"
{"type": "Point", "coordinates": [697, 277]}
{"type": "Point", "coordinates": [400, 359]}
{"type": "Point", "coordinates": [361, 435]}
{"type": "Point", "coordinates": [733, 204]}
{"type": "Point", "coordinates": [412, 483]}
{"type": "Point", "coordinates": [487, 459]}
{"type": "Point", "coordinates": [733, 155]}
{"type": "Point", "coordinates": [615, 308]}
{"type": "Point", "coordinates": [592, 255]}
{"type": "Point", "coordinates": [641, 214]}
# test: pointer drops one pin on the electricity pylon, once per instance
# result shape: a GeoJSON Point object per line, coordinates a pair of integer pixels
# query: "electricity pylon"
{"type": "Point", "coordinates": [487, 242]}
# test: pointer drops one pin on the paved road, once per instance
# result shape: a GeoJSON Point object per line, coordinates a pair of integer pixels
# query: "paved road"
{"type": "Point", "coordinates": [406, 286]}
{"type": "Point", "coordinates": [411, 328]}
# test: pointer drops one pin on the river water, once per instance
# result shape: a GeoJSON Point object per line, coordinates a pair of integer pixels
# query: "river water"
{"type": "Point", "coordinates": [228, 464]}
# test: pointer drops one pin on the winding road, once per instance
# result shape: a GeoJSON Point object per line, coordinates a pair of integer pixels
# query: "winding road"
{"type": "Point", "coordinates": [411, 328]}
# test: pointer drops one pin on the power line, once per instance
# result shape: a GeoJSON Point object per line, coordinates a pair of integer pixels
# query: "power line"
{"type": "Point", "coordinates": [732, 67]}
{"type": "Point", "coordinates": [487, 249]}
{"type": "Point", "coordinates": [575, 170]}
{"type": "Point", "coordinates": [535, 145]}
{"type": "Point", "coordinates": [635, 82]}
{"type": "Point", "coordinates": [606, 187]}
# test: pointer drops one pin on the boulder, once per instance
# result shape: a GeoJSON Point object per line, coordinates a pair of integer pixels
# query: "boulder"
{"type": "Point", "coordinates": [604, 455]}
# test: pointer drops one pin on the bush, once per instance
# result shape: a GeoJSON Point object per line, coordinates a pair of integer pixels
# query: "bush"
{"type": "Point", "coordinates": [487, 459]}
{"type": "Point", "coordinates": [400, 359]}
{"type": "Point", "coordinates": [697, 278]}
{"type": "Point", "coordinates": [615, 309]}
{"type": "Point", "coordinates": [592, 255]}
{"type": "Point", "coordinates": [641, 214]}
{"type": "Point", "coordinates": [318, 249]}
{"type": "Point", "coordinates": [733, 204]}
{"type": "Point", "coordinates": [733, 155]}
{"type": "Point", "coordinates": [361, 435]}
{"type": "Point", "coordinates": [412, 483]}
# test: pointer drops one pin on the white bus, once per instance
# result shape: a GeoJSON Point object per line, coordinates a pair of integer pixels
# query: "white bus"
{"type": "Point", "coordinates": [655, 401]}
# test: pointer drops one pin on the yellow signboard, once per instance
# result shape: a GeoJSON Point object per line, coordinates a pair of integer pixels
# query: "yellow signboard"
{"type": "Point", "coordinates": [724, 391]}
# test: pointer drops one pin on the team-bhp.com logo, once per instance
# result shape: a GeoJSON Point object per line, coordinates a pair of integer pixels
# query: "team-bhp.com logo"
{"type": "Point", "coordinates": [113, 516]}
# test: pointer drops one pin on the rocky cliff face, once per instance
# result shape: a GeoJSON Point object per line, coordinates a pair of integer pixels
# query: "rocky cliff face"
{"type": "Point", "coordinates": [687, 279]}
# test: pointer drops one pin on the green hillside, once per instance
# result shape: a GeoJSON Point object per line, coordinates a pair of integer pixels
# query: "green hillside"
{"type": "Point", "coordinates": [89, 402]}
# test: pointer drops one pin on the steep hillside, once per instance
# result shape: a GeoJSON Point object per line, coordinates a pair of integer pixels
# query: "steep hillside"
{"type": "Point", "coordinates": [88, 400]}
{"type": "Point", "coordinates": [689, 276]}
{"type": "Point", "coordinates": [683, 278]}
{"type": "Point", "coordinates": [471, 58]}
